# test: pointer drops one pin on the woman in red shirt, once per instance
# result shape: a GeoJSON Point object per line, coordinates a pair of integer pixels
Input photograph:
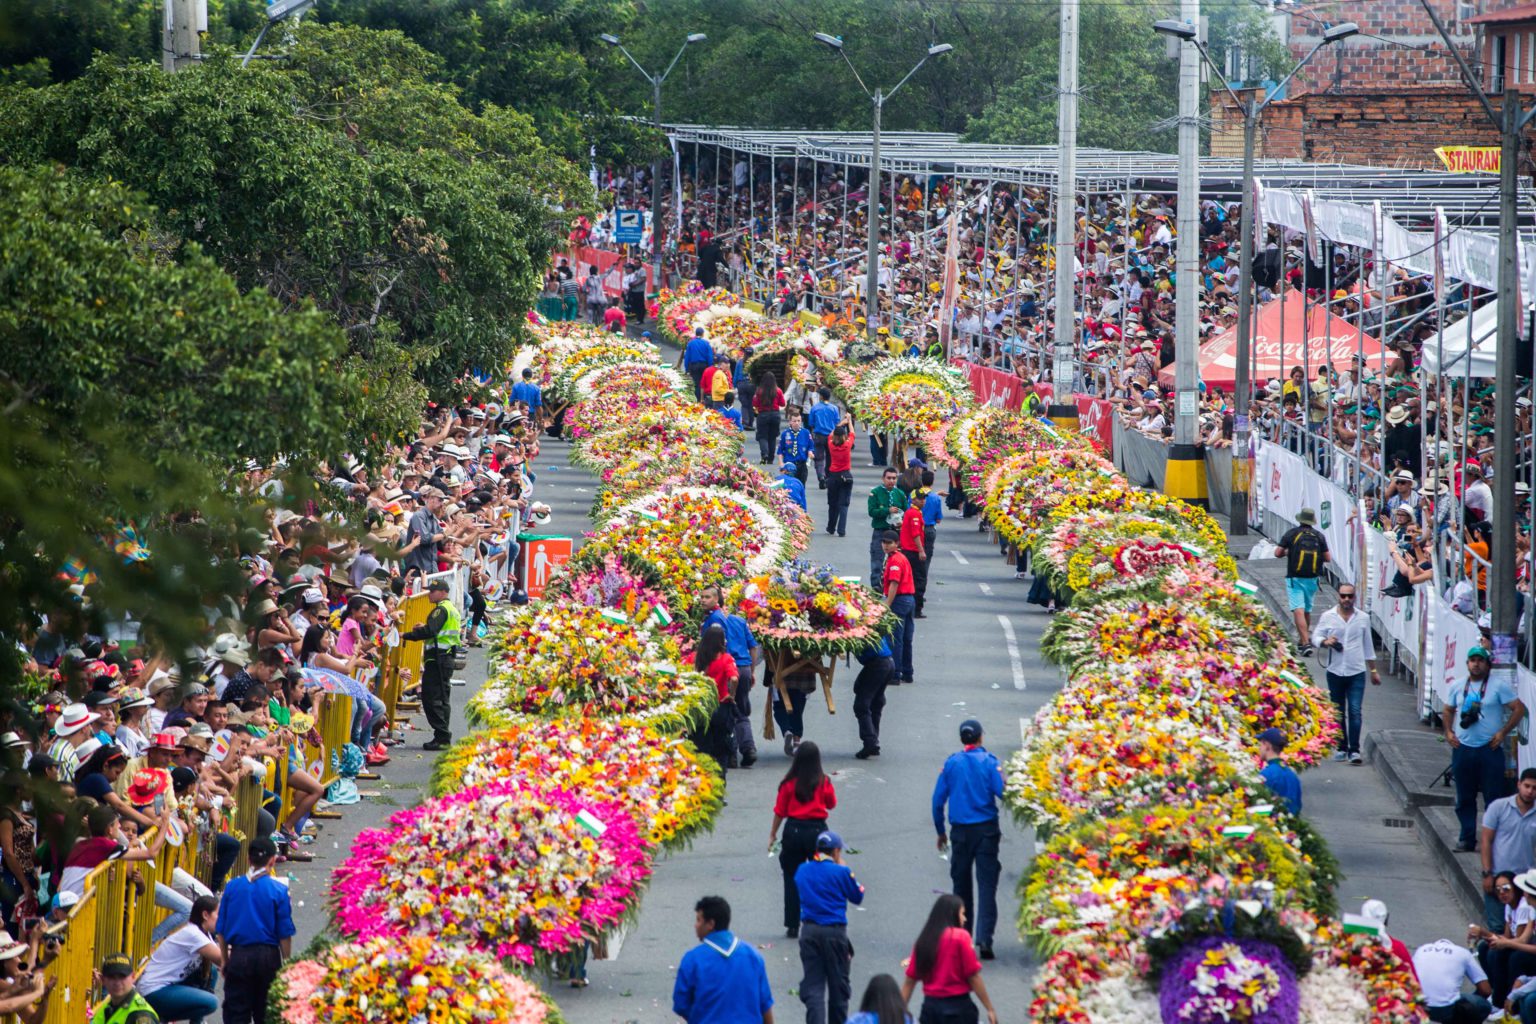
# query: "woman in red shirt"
{"type": "Point", "coordinates": [805, 799]}
{"type": "Point", "coordinates": [945, 962]}
{"type": "Point", "coordinates": [712, 659]}
{"type": "Point", "coordinates": [767, 400]}
{"type": "Point", "coordinates": [839, 478]}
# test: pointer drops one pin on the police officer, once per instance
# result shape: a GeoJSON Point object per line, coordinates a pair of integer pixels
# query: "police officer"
{"type": "Point", "coordinates": [123, 1004]}
{"type": "Point", "coordinates": [442, 632]}
{"type": "Point", "coordinates": [826, 886]}
{"type": "Point", "coordinates": [971, 782]}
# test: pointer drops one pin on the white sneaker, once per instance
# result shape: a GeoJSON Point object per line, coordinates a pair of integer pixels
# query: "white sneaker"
{"type": "Point", "coordinates": [1341, 756]}
{"type": "Point", "coordinates": [1495, 1015]}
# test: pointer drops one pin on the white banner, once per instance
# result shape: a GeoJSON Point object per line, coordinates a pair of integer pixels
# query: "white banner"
{"type": "Point", "coordinates": [1284, 485]}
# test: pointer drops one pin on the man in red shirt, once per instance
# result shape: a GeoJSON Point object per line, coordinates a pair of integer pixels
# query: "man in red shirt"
{"type": "Point", "coordinates": [900, 597]}
{"type": "Point", "coordinates": [913, 548]}
{"type": "Point", "coordinates": [614, 320]}
{"type": "Point", "coordinates": [706, 385]}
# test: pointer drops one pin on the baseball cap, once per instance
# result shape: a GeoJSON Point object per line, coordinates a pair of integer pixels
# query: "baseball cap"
{"type": "Point", "coordinates": [1274, 737]}
{"type": "Point", "coordinates": [116, 965]}
{"type": "Point", "coordinates": [437, 585]}
{"type": "Point", "coordinates": [1479, 652]}
{"type": "Point", "coordinates": [829, 841]}
{"type": "Point", "coordinates": [970, 731]}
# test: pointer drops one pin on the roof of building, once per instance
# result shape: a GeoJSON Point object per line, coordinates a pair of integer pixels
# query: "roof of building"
{"type": "Point", "coordinates": [1520, 12]}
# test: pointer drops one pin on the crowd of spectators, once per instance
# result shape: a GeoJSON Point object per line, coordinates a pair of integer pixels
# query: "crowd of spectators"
{"type": "Point", "coordinates": [126, 749]}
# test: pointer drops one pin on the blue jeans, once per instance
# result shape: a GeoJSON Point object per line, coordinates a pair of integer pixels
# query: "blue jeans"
{"type": "Point", "coordinates": [876, 561]}
{"type": "Point", "coordinates": [876, 448]}
{"type": "Point", "coordinates": [183, 1002]}
{"type": "Point", "coordinates": [1493, 913]}
{"type": "Point", "coordinates": [1348, 693]}
{"type": "Point", "coordinates": [1476, 770]}
{"type": "Point", "coordinates": [364, 714]}
{"type": "Point", "coordinates": [904, 607]}
{"type": "Point", "coordinates": [791, 720]}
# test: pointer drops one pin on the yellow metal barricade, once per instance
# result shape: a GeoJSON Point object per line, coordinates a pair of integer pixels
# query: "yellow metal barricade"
{"type": "Point", "coordinates": [416, 608]}
{"type": "Point", "coordinates": [71, 998]}
{"type": "Point", "coordinates": [247, 818]}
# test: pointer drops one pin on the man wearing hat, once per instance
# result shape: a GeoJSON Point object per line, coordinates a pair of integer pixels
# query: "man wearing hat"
{"type": "Point", "coordinates": [971, 783]}
{"type": "Point", "coordinates": [1305, 551]}
{"type": "Point", "coordinates": [441, 633]}
{"type": "Point", "coordinates": [1281, 780]}
{"type": "Point", "coordinates": [1478, 715]}
{"type": "Point", "coordinates": [193, 703]}
{"type": "Point", "coordinates": [123, 1004]}
{"type": "Point", "coordinates": [425, 526]}
{"type": "Point", "coordinates": [826, 886]}
{"type": "Point", "coordinates": [72, 731]}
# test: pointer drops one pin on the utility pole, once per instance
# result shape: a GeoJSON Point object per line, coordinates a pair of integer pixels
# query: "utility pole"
{"type": "Point", "coordinates": [872, 240]}
{"type": "Point", "coordinates": [1186, 456]}
{"type": "Point", "coordinates": [181, 35]}
{"type": "Point", "coordinates": [1063, 408]}
{"type": "Point", "coordinates": [1511, 122]}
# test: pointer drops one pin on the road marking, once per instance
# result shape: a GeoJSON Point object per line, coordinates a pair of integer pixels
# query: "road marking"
{"type": "Point", "coordinates": [959, 557]}
{"type": "Point", "coordinates": [1012, 642]}
{"type": "Point", "coordinates": [985, 588]}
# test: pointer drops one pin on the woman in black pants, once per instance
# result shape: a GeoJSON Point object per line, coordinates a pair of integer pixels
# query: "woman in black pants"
{"type": "Point", "coordinates": [805, 799]}
{"type": "Point", "coordinates": [839, 478]}
{"type": "Point", "coordinates": [767, 400]}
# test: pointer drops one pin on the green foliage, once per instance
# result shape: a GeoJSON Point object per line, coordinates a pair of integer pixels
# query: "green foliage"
{"type": "Point", "coordinates": [344, 176]}
{"type": "Point", "coordinates": [66, 34]}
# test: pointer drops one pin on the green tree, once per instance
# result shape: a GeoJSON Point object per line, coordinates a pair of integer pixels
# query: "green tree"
{"type": "Point", "coordinates": [344, 175]}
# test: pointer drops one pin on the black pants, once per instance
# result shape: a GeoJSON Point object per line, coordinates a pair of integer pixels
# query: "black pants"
{"type": "Point", "coordinates": [716, 739]}
{"type": "Point", "coordinates": [919, 576]}
{"type": "Point", "coordinates": [745, 744]}
{"type": "Point", "coordinates": [826, 957]}
{"type": "Point", "coordinates": [948, 1010]}
{"type": "Point", "coordinates": [248, 976]}
{"type": "Point", "coordinates": [869, 699]}
{"type": "Point", "coordinates": [436, 671]}
{"type": "Point", "coordinates": [744, 395]}
{"type": "Point", "coordinates": [976, 845]}
{"type": "Point", "coordinates": [696, 371]}
{"type": "Point", "coordinates": [920, 580]}
{"type": "Point", "coordinates": [800, 472]}
{"type": "Point", "coordinates": [767, 431]}
{"type": "Point", "coordinates": [839, 493]}
{"type": "Point", "coordinates": [476, 609]}
{"type": "Point", "coordinates": [636, 302]}
{"type": "Point", "coordinates": [799, 846]}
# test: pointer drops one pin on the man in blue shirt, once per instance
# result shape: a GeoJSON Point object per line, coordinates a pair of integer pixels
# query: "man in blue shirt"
{"type": "Point", "coordinates": [528, 392]}
{"type": "Point", "coordinates": [743, 648]}
{"type": "Point", "coordinates": [727, 408]}
{"type": "Point", "coordinates": [822, 418]}
{"type": "Point", "coordinates": [255, 931]}
{"type": "Point", "coordinates": [790, 481]}
{"type": "Point", "coordinates": [698, 355]}
{"type": "Point", "coordinates": [1479, 714]}
{"type": "Point", "coordinates": [826, 886]}
{"type": "Point", "coordinates": [971, 782]}
{"type": "Point", "coordinates": [795, 446]}
{"type": "Point", "coordinates": [722, 980]}
{"type": "Point", "coordinates": [877, 669]}
{"type": "Point", "coordinates": [1281, 780]}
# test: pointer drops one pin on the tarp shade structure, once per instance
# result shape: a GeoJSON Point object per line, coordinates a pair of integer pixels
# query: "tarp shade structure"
{"type": "Point", "coordinates": [1485, 346]}
{"type": "Point", "coordinates": [1328, 339]}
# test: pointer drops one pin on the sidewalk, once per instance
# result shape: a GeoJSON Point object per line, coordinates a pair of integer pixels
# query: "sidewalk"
{"type": "Point", "coordinates": [1402, 803]}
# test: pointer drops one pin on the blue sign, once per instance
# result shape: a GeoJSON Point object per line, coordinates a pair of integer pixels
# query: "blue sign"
{"type": "Point", "coordinates": [629, 226]}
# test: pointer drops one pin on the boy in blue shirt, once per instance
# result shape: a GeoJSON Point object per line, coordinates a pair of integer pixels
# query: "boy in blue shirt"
{"type": "Point", "coordinates": [722, 980]}
{"type": "Point", "coordinates": [826, 887]}
{"type": "Point", "coordinates": [727, 409]}
{"type": "Point", "coordinates": [795, 446]}
{"type": "Point", "coordinates": [789, 479]}
{"type": "Point", "coordinates": [1281, 780]}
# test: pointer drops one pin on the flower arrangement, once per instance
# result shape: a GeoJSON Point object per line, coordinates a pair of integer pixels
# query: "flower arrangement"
{"type": "Point", "coordinates": [657, 426]}
{"type": "Point", "coordinates": [669, 789]}
{"type": "Point", "coordinates": [516, 872]}
{"type": "Point", "coordinates": [1215, 980]}
{"type": "Point", "coordinates": [561, 658]}
{"type": "Point", "coordinates": [647, 469]}
{"type": "Point", "coordinates": [808, 608]}
{"type": "Point", "coordinates": [735, 477]}
{"type": "Point", "coordinates": [630, 379]}
{"type": "Point", "coordinates": [908, 396]}
{"type": "Point", "coordinates": [622, 581]}
{"type": "Point", "coordinates": [1104, 552]}
{"type": "Point", "coordinates": [1022, 489]}
{"type": "Point", "coordinates": [406, 981]}
{"type": "Point", "coordinates": [760, 538]}
{"type": "Point", "coordinates": [1351, 969]}
{"type": "Point", "coordinates": [565, 368]}
{"type": "Point", "coordinates": [600, 413]}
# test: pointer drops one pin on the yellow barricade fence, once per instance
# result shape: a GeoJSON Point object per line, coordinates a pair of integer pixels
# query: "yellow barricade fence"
{"type": "Point", "coordinates": [71, 1000]}
{"type": "Point", "coordinates": [246, 819]}
{"type": "Point", "coordinates": [416, 608]}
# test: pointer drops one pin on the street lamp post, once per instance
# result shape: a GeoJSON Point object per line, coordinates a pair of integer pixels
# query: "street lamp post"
{"type": "Point", "coordinates": [1242, 384]}
{"type": "Point", "coordinates": [655, 80]}
{"type": "Point", "coordinates": [877, 99]}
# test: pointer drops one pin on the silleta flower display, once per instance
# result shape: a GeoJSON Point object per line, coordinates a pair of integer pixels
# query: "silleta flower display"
{"type": "Point", "coordinates": [810, 609]}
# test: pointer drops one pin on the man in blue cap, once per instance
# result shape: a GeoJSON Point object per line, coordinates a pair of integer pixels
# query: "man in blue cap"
{"type": "Point", "coordinates": [1281, 780]}
{"type": "Point", "coordinates": [698, 356]}
{"type": "Point", "coordinates": [971, 782]}
{"type": "Point", "coordinates": [826, 887]}
{"type": "Point", "coordinates": [789, 479]}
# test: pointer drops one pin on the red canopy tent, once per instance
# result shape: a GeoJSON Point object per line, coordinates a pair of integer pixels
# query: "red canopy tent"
{"type": "Point", "coordinates": [1329, 339]}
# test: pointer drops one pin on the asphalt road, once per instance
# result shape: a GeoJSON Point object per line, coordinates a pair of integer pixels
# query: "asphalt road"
{"type": "Point", "coordinates": [976, 655]}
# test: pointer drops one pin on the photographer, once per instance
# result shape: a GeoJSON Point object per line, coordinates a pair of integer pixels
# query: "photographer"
{"type": "Point", "coordinates": [1345, 636]}
{"type": "Point", "coordinates": [1478, 715]}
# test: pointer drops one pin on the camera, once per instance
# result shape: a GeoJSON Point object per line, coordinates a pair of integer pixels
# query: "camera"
{"type": "Point", "coordinates": [1471, 715]}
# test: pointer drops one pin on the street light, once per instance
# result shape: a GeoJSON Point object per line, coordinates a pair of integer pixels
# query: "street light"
{"type": "Point", "coordinates": [1242, 385]}
{"type": "Point", "coordinates": [277, 10]}
{"type": "Point", "coordinates": [877, 98]}
{"type": "Point", "coordinates": [655, 80]}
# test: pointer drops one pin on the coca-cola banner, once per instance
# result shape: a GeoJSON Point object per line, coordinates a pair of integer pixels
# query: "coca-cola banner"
{"type": "Point", "coordinates": [999, 388]}
{"type": "Point", "coordinates": [1096, 418]}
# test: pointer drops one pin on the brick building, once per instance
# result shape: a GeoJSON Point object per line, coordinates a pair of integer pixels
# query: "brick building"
{"type": "Point", "coordinates": [1390, 95]}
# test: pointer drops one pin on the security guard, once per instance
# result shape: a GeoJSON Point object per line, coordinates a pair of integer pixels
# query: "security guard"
{"type": "Point", "coordinates": [123, 1004]}
{"type": "Point", "coordinates": [826, 887]}
{"type": "Point", "coordinates": [971, 782]}
{"type": "Point", "coordinates": [442, 631]}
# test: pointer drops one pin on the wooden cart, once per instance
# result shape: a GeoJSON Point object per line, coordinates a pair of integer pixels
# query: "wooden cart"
{"type": "Point", "coordinates": [784, 662]}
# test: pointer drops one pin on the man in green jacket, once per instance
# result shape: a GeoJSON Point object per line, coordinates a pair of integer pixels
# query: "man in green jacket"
{"type": "Point", "coordinates": [886, 504]}
{"type": "Point", "coordinates": [441, 633]}
{"type": "Point", "coordinates": [123, 1004]}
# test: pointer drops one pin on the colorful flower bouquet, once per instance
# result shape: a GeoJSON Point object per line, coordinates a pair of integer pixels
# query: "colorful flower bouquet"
{"type": "Point", "coordinates": [566, 367]}
{"type": "Point", "coordinates": [618, 580]}
{"type": "Point", "coordinates": [909, 397]}
{"type": "Point", "coordinates": [405, 981]}
{"type": "Point", "coordinates": [560, 658]}
{"type": "Point", "coordinates": [1022, 489]}
{"type": "Point", "coordinates": [733, 476]}
{"type": "Point", "coordinates": [1098, 554]}
{"type": "Point", "coordinates": [671, 790]}
{"type": "Point", "coordinates": [677, 513]}
{"type": "Point", "coordinates": [520, 873]}
{"type": "Point", "coordinates": [600, 413]}
{"type": "Point", "coordinates": [677, 426]}
{"type": "Point", "coordinates": [808, 608]}
{"type": "Point", "coordinates": [631, 379]}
